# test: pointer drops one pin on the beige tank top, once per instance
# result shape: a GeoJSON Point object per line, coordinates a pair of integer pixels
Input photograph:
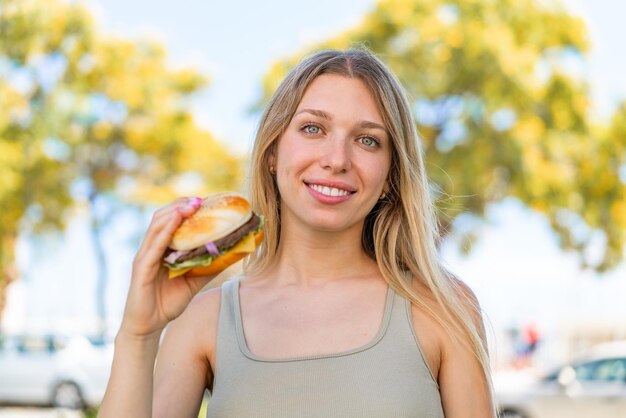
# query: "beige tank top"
{"type": "Point", "coordinates": [388, 377]}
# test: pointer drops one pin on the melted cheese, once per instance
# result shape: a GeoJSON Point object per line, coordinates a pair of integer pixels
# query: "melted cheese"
{"type": "Point", "coordinates": [176, 273]}
{"type": "Point", "coordinates": [246, 245]}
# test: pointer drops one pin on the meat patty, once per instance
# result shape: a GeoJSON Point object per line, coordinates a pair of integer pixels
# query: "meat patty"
{"type": "Point", "coordinates": [226, 242]}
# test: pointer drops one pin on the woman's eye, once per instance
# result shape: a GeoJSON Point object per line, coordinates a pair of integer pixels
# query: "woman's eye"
{"type": "Point", "coordinates": [312, 129]}
{"type": "Point", "coordinates": [368, 141]}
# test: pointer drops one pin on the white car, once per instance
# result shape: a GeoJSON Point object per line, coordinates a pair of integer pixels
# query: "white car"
{"type": "Point", "coordinates": [52, 370]}
{"type": "Point", "coordinates": [593, 386]}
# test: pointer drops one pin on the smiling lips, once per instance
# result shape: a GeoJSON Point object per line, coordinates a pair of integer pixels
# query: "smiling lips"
{"type": "Point", "coordinates": [329, 194]}
{"type": "Point", "coordinates": [329, 191]}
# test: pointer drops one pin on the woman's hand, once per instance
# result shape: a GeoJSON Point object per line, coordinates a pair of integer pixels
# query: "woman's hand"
{"type": "Point", "coordinates": [153, 298]}
{"type": "Point", "coordinates": [153, 301]}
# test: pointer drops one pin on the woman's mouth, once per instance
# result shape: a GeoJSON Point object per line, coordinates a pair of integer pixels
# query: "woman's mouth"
{"type": "Point", "coordinates": [328, 191]}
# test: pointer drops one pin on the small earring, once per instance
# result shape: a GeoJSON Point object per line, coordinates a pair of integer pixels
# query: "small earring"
{"type": "Point", "coordinates": [382, 195]}
{"type": "Point", "coordinates": [272, 169]}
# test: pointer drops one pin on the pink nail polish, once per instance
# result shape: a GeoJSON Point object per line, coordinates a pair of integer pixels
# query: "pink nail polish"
{"type": "Point", "coordinates": [194, 202]}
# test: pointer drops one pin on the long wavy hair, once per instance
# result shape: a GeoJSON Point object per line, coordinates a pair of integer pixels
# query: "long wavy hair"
{"type": "Point", "coordinates": [401, 232]}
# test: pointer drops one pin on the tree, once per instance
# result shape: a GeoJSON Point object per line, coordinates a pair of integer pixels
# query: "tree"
{"type": "Point", "coordinates": [502, 111]}
{"type": "Point", "coordinates": [85, 117]}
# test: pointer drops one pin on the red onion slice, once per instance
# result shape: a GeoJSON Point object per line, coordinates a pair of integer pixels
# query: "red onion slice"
{"type": "Point", "coordinates": [212, 248]}
{"type": "Point", "coordinates": [172, 257]}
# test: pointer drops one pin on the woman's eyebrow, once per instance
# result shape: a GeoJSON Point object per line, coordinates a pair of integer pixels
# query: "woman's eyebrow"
{"type": "Point", "coordinates": [328, 116]}
{"type": "Point", "coordinates": [316, 112]}
{"type": "Point", "coordinates": [372, 125]}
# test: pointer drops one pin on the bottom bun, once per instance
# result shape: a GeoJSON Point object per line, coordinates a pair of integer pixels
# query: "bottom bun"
{"type": "Point", "coordinates": [220, 263]}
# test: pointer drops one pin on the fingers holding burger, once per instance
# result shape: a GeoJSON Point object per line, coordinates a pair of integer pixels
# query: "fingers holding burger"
{"type": "Point", "coordinates": [223, 230]}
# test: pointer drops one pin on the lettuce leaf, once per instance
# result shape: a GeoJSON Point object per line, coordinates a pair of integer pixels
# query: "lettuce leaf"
{"type": "Point", "coordinates": [203, 260]}
{"type": "Point", "coordinates": [207, 259]}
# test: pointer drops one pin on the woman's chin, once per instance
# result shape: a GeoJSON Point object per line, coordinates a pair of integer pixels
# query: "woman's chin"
{"type": "Point", "coordinates": [331, 226]}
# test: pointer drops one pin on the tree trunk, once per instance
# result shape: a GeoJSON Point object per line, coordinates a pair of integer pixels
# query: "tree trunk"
{"type": "Point", "coordinates": [8, 269]}
{"type": "Point", "coordinates": [8, 275]}
{"type": "Point", "coordinates": [101, 266]}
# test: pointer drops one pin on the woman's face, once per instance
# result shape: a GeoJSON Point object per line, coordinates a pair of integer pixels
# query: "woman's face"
{"type": "Point", "coordinates": [333, 159]}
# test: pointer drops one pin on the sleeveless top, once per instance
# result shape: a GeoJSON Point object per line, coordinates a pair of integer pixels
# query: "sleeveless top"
{"type": "Point", "coordinates": [388, 377]}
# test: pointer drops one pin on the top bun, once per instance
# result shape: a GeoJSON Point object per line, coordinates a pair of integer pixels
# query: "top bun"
{"type": "Point", "coordinates": [218, 215]}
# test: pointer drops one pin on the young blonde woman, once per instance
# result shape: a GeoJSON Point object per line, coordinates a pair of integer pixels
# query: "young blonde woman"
{"type": "Point", "coordinates": [346, 310]}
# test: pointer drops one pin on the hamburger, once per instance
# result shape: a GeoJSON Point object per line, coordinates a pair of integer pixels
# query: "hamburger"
{"type": "Point", "coordinates": [222, 231]}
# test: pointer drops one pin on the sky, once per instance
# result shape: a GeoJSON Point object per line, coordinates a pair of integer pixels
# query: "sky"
{"type": "Point", "coordinates": [234, 42]}
{"type": "Point", "coordinates": [606, 61]}
{"type": "Point", "coordinates": [516, 268]}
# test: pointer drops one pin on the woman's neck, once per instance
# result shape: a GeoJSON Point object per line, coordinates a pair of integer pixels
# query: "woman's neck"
{"type": "Point", "coordinates": [312, 257]}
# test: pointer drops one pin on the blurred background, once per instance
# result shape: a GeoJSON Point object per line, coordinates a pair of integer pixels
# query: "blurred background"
{"type": "Point", "coordinates": [110, 108]}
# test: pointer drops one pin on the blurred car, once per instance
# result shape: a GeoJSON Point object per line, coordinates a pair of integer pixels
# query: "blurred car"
{"type": "Point", "coordinates": [52, 370]}
{"type": "Point", "coordinates": [593, 386]}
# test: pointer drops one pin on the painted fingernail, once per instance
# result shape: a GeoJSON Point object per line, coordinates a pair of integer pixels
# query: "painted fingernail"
{"type": "Point", "coordinates": [194, 202]}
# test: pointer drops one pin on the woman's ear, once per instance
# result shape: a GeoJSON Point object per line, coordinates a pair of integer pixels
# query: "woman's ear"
{"type": "Point", "coordinates": [272, 163]}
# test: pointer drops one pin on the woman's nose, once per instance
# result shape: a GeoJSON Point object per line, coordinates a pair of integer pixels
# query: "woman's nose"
{"type": "Point", "coordinates": [336, 155]}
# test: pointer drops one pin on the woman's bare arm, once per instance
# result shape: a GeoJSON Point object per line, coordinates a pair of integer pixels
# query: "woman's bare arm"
{"type": "Point", "coordinates": [153, 301]}
{"type": "Point", "coordinates": [183, 367]}
{"type": "Point", "coordinates": [129, 392]}
{"type": "Point", "coordinates": [462, 383]}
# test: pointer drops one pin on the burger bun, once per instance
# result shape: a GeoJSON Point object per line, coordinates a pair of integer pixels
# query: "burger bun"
{"type": "Point", "coordinates": [218, 215]}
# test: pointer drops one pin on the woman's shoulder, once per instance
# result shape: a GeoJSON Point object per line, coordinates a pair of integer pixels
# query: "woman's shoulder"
{"type": "Point", "coordinates": [429, 332]}
{"type": "Point", "coordinates": [460, 374]}
{"type": "Point", "coordinates": [196, 329]}
{"type": "Point", "coordinates": [433, 335]}
{"type": "Point", "coordinates": [206, 304]}
{"type": "Point", "coordinates": [203, 311]}
{"type": "Point", "coordinates": [469, 304]}
{"type": "Point", "coordinates": [460, 291]}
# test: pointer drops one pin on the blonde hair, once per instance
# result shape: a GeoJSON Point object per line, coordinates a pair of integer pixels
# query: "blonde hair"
{"type": "Point", "coordinates": [401, 232]}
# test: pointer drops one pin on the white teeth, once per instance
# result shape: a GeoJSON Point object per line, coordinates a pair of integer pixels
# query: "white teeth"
{"type": "Point", "coordinates": [329, 191]}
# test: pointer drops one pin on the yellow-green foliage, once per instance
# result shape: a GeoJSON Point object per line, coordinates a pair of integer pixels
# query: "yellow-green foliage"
{"type": "Point", "coordinates": [504, 72]}
{"type": "Point", "coordinates": [75, 103]}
